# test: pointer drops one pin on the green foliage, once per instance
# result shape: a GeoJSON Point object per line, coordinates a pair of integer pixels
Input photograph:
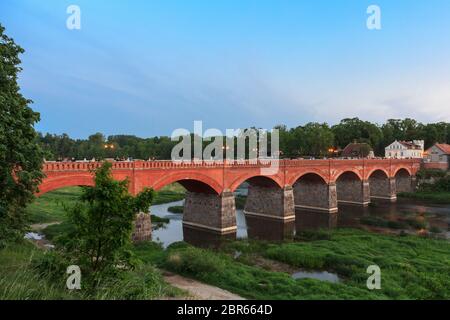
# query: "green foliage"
{"type": "Point", "coordinates": [356, 130]}
{"type": "Point", "coordinates": [430, 173]}
{"type": "Point", "coordinates": [176, 209]}
{"type": "Point", "coordinates": [240, 201]}
{"type": "Point", "coordinates": [27, 273]}
{"type": "Point", "coordinates": [412, 267]}
{"type": "Point", "coordinates": [51, 206]}
{"type": "Point", "coordinates": [102, 225]}
{"type": "Point", "coordinates": [436, 197]}
{"type": "Point", "coordinates": [20, 156]}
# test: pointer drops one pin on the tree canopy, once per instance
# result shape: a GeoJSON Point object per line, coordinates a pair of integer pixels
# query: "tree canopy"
{"type": "Point", "coordinates": [20, 156]}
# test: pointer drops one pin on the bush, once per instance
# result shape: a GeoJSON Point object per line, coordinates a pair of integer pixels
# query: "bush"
{"type": "Point", "coordinates": [194, 261]}
{"type": "Point", "coordinates": [430, 173]}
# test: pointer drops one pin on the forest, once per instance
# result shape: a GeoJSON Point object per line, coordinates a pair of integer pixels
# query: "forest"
{"type": "Point", "coordinates": [311, 139]}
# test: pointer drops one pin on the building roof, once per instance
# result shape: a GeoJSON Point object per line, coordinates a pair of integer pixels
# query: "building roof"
{"type": "Point", "coordinates": [410, 145]}
{"type": "Point", "coordinates": [444, 147]}
{"type": "Point", "coordinates": [356, 150]}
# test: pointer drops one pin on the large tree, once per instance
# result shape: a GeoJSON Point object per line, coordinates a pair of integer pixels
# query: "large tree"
{"type": "Point", "coordinates": [20, 156]}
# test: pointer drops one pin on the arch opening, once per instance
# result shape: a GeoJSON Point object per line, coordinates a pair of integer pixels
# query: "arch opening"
{"type": "Point", "coordinates": [351, 189]}
{"type": "Point", "coordinates": [311, 192]}
{"type": "Point", "coordinates": [262, 196]}
{"type": "Point", "coordinates": [403, 181]}
{"type": "Point", "coordinates": [380, 185]}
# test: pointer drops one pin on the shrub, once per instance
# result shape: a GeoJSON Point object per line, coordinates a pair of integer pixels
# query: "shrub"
{"type": "Point", "coordinates": [194, 261]}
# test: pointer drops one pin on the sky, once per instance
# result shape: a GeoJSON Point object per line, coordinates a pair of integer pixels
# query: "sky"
{"type": "Point", "coordinates": [148, 67]}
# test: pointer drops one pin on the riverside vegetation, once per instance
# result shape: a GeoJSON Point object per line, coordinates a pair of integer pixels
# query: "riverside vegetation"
{"type": "Point", "coordinates": [433, 185]}
{"type": "Point", "coordinates": [98, 224]}
{"type": "Point", "coordinates": [412, 267]}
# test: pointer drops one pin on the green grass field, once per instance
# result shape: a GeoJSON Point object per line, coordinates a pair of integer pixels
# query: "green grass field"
{"type": "Point", "coordinates": [50, 207]}
{"type": "Point", "coordinates": [411, 267]}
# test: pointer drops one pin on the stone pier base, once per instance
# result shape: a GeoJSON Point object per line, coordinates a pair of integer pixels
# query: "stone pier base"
{"type": "Point", "coordinates": [315, 195]}
{"type": "Point", "coordinates": [353, 191]}
{"type": "Point", "coordinates": [383, 189]}
{"type": "Point", "coordinates": [142, 228]}
{"type": "Point", "coordinates": [270, 202]}
{"type": "Point", "coordinates": [210, 211]}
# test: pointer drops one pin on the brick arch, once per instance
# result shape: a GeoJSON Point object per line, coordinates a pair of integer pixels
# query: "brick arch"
{"type": "Point", "coordinates": [292, 180]}
{"type": "Point", "coordinates": [377, 169]}
{"type": "Point", "coordinates": [242, 178]}
{"type": "Point", "coordinates": [193, 176]}
{"type": "Point", "coordinates": [340, 173]}
{"type": "Point", "coordinates": [402, 168]}
{"type": "Point", "coordinates": [50, 184]}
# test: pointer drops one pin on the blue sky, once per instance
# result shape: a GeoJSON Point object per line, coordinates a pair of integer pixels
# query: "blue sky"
{"type": "Point", "coordinates": [148, 67]}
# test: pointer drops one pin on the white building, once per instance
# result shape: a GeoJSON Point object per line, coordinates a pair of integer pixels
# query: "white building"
{"type": "Point", "coordinates": [405, 149]}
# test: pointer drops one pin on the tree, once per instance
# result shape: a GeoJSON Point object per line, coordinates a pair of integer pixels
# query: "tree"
{"type": "Point", "coordinates": [356, 130]}
{"type": "Point", "coordinates": [20, 156]}
{"type": "Point", "coordinates": [103, 223]}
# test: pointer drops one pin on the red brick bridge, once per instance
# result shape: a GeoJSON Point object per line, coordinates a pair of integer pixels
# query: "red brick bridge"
{"type": "Point", "coordinates": [305, 184]}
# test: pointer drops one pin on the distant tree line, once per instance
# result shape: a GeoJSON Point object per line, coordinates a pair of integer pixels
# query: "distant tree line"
{"type": "Point", "coordinates": [311, 139]}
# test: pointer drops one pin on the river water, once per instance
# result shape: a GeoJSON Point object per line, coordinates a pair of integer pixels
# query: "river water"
{"type": "Point", "coordinates": [409, 216]}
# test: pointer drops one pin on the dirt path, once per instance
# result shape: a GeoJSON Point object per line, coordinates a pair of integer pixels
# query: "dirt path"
{"type": "Point", "coordinates": [199, 290]}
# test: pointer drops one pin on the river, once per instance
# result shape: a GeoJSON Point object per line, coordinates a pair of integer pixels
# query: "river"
{"type": "Point", "coordinates": [405, 215]}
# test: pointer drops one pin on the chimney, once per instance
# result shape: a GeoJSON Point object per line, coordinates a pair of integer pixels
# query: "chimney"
{"type": "Point", "coordinates": [420, 143]}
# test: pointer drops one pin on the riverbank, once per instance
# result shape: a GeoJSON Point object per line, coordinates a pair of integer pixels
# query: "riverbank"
{"type": "Point", "coordinates": [436, 197]}
{"type": "Point", "coordinates": [50, 208]}
{"type": "Point", "coordinates": [412, 267]}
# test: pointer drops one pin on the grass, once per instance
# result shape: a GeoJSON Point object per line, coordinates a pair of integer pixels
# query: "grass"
{"type": "Point", "coordinates": [411, 267]}
{"type": "Point", "coordinates": [176, 209]}
{"type": "Point", "coordinates": [50, 206]}
{"type": "Point", "coordinates": [171, 193]}
{"type": "Point", "coordinates": [21, 280]}
{"type": "Point", "coordinates": [437, 197]}
{"type": "Point", "coordinates": [393, 224]}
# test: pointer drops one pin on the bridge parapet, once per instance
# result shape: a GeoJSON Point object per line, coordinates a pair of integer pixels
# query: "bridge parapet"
{"type": "Point", "coordinates": [169, 164]}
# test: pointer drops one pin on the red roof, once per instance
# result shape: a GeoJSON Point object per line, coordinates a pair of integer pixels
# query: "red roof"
{"type": "Point", "coordinates": [356, 150]}
{"type": "Point", "coordinates": [444, 147]}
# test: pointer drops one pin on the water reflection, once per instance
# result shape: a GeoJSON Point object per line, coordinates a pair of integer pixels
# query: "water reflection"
{"type": "Point", "coordinates": [404, 213]}
{"type": "Point", "coordinates": [307, 220]}
{"type": "Point", "coordinates": [319, 275]}
{"type": "Point", "coordinates": [205, 239]}
{"type": "Point", "coordinates": [261, 228]}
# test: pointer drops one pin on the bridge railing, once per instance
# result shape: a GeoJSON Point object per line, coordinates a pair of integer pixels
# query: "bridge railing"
{"type": "Point", "coordinates": [168, 164]}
